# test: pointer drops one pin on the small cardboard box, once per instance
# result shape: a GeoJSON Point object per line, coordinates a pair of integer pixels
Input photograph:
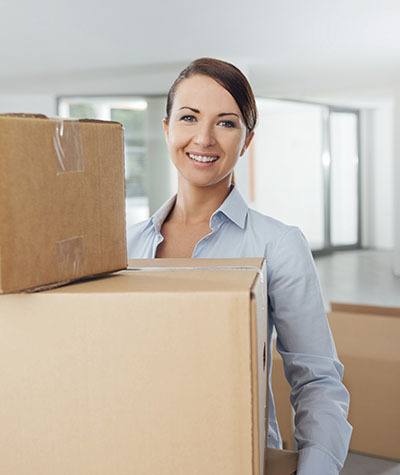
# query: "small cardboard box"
{"type": "Point", "coordinates": [368, 344]}
{"type": "Point", "coordinates": [62, 204]}
{"type": "Point", "coordinates": [154, 370]}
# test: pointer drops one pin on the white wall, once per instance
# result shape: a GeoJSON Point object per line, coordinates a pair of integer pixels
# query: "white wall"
{"type": "Point", "coordinates": [32, 103]}
{"type": "Point", "coordinates": [144, 79]}
{"type": "Point", "coordinates": [396, 184]}
{"type": "Point", "coordinates": [381, 171]}
{"type": "Point", "coordinates": [377, 171]}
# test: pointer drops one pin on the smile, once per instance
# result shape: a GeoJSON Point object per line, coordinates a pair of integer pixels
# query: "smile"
{"type": "Point", "coordinates": [203, 158]}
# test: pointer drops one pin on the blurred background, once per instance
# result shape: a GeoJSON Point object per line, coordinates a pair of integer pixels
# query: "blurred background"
{"type": "Point", "coordinates": [326, 76]}
{"type": "Point", "coordinates": [326, 155]}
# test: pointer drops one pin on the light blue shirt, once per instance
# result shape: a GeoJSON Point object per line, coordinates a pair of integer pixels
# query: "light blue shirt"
{"type": "Point", "coordinates": [296, 310]}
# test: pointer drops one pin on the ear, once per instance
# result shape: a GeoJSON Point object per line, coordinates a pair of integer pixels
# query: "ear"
{"type": "Point", "coordinates": [165, 127]}
{"type": "Point", "coordinates": [247, 142]}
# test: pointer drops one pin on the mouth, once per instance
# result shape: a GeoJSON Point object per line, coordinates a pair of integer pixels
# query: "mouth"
{"type": "Point", "coordinates": [203, 159]}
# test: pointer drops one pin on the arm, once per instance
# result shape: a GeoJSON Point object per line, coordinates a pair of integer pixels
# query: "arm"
{"type": "Point", "coordinates": [312, 368]}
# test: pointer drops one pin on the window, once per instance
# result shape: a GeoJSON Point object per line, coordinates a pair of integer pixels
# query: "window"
{"type": "Point", "coordinates": [344, 178]}
{"type": "Point", "coordinates": [304, 170]}
{"type": "Point", "coordinates": [132, 114]}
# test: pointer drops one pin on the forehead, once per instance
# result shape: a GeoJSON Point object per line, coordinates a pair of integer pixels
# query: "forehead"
{"type": "Point", "coordinates": [203, 93]}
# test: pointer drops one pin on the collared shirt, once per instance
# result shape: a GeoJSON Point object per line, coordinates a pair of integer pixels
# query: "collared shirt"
{"type": "Point", "coordinates": [295, 309]}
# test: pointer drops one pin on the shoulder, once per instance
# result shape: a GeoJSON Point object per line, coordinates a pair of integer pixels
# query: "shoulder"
{"type": "Point", "coordinates": [273, 233]}
{"type": "Point", "coordinates": [137, 228]}
{"type": "Point", "coordinates": [286, 247]}
{"type": "Point", "coordinates": [273, 227]}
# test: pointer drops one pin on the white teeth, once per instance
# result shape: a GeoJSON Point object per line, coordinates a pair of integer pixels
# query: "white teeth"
{"type": "Point", "coordinates": [202, 158]}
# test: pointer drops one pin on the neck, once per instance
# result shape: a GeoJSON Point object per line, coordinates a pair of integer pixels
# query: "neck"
{"type": "Point", "coordinates": [196, 204]}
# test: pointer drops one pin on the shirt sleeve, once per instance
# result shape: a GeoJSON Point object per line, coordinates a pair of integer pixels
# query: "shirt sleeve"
{"type": "Point", "coordinates": [312, 368]}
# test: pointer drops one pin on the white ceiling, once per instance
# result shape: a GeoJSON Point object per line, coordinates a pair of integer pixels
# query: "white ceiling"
{"type": "Point", "coordinates": [279, 41]}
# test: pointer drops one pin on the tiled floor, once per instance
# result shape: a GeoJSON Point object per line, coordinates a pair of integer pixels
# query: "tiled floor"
{"type": "Point", "coordinates": [361, 277]}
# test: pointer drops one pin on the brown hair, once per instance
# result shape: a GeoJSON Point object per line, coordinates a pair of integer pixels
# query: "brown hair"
{"type": "Point", "coordinates": [229, 77]}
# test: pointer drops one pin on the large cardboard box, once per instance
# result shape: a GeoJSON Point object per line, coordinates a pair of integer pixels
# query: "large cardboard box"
{"type": "Point", "coordinates": [145, 371]}
{"type": "Point", "coordinates": [62, 204]}
{"type": "Point", "coordinates": [368, 343]}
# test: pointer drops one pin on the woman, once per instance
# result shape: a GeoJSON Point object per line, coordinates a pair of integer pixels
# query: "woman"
{"type": "Point", "coordinates": [210, 121]}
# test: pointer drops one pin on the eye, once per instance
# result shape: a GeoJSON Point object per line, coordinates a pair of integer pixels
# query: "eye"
{"type": "Point", "coordinates": [188, 118]}
{"type": "Point", "coordinates": [227, 123]}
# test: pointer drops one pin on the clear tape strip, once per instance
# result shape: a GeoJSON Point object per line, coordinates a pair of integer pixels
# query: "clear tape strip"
{"type": "Point", "coordinates": [70, 257]}
{"type": "Point", "coordinates": [68, 146]}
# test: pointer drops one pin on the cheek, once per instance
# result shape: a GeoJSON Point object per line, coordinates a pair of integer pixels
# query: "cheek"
{"type": "Point", "coordinates": [178, 137]}
{"type": "Point", "coordinates": [232, 143]}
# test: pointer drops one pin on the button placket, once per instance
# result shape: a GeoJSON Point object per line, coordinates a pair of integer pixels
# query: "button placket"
{"type": "Point", "coordinates": [200, 244]}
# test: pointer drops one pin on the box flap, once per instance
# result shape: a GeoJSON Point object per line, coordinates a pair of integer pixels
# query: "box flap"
{"type": "Point", "coordinates": [197, 262]}
{"type": "Point", "coordinates": [365, 309]}
{"type": "Point", "coordinates": [31, 115]}
{"type": "Point", "coordinates": [162, 281]}
{"type": "Point", "coordinates": [24, 115]}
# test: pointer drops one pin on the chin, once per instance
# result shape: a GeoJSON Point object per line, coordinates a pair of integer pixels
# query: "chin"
{"type": "Point", "coordinates": [203, 181]}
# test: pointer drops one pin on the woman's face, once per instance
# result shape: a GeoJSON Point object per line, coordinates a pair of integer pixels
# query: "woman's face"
{"type": "Point", "coordinates": [205, 134]}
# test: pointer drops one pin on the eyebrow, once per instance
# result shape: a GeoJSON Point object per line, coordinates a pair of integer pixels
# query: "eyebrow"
{"type": "Point", "coordinates": [219, 115]}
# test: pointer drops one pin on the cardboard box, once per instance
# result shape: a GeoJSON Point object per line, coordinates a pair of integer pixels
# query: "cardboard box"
{"type": "Point", "coordinates": [284, 411]}
{"type": "Point", "coordinates": [145, 371]}
{"type": "Point", "coordinates": [368, 343]}
{"type": "Point", "coordinates": [281, 462]}
{"type": "Point", "coordinates": [62, 204]}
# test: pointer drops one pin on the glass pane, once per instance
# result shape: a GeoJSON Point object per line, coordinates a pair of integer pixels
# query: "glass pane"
{"type": "Point", "coordinates": [134, 122]}
{"type": "Point", "coordinates": [288, 178]}
{"type": "Point", "coordinates": [344, 181]}
{"type": "Point", "coordinates": [135, 171]}
{"type": "Point", "coordinates": [82, 111]}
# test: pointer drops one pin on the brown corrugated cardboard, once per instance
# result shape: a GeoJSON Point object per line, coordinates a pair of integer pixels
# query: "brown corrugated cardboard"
{"type": "Point", "coordinates": [281, 391]}
{"type": "Point", "coordinates": [281, 462]}
{"type": "Point", "coordinates": [62, 205]}
{"type": "Point", "coordinates": [140, 372]}
{"type": "Point", "coordinates": [367, 341]}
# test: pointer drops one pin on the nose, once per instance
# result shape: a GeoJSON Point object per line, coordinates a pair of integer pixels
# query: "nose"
{"type": "Point", "coordinates": [204, 136]}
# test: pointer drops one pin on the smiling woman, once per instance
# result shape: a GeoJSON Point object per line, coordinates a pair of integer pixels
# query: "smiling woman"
{"type": "Point", "coordinates": [205, 125]}
{"type": "Point", "coordinates": [209, 124]}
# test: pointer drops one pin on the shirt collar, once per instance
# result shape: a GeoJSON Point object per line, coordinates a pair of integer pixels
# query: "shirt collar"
{"type": "Point", "coordinates": [159, 216]}
{"type": "Point", "coordinates": [234, 208]}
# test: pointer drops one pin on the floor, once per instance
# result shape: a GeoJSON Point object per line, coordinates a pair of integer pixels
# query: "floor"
{"type": "Point", "coordinates": [361, 277]}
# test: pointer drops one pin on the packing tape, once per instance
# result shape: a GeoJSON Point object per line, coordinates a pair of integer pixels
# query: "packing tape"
{"type": "Point", "coordinates": [68, 147]}
{"type": "Point", "coordinates": [70, 256]}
